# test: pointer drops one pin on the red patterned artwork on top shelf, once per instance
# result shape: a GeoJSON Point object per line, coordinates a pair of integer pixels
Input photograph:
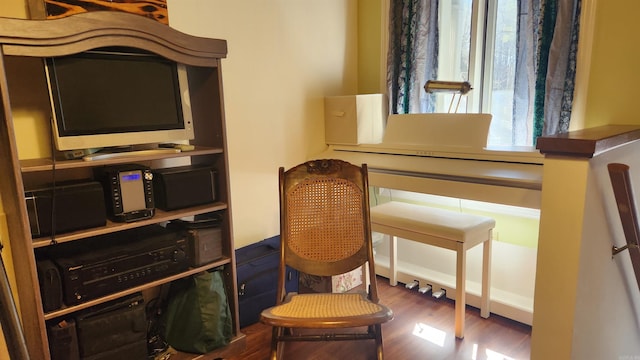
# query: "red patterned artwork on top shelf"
{"type": "Point", "coordinates": [154, 9]}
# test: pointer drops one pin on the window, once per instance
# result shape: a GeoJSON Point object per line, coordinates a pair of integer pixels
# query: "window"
{"type": "Point", "coordinates": [496, 45]}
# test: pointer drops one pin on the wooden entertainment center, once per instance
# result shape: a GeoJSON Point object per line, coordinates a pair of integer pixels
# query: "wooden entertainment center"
{"type": "Point", "coordinates": [24, 44]}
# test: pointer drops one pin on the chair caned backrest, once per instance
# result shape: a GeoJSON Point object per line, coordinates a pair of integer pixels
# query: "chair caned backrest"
{"type": "Point", "coordinates": [325, 230]}
{"type": "Point", "coordinates": [325, 224]}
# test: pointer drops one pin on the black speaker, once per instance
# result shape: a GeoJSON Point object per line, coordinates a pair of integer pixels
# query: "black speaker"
{"type": "Point", "coordinates": [63, 340]}
{"type": "Point", "coordinates": [184, 186]}
{"type": "Point", "coordinates": [50, 285]}
{"type": "Point", "coordinates": [78, 205]}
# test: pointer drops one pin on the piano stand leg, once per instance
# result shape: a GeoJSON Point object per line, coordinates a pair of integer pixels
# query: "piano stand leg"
{"type": "Point", "coordinates": [485, 303]}
{"type": "Point", "coordinates": [393, 260]}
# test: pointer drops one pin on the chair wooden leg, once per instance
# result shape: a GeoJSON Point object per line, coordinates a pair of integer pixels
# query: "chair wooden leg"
{"type": "Point", "coordinates": [275, 334]}
{"type": "Point", "coordinates": [378, 331]}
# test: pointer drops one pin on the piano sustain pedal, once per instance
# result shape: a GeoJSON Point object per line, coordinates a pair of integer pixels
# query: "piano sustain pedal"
{"type": "Point", "coordinates": [425, 289]}
{"type": "Point", "coordinates": [439, 294]}
{"type": "Point", "coordinates": [412, 285]}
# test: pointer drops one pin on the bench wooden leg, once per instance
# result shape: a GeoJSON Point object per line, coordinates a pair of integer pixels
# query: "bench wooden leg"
{"type": "Point", "coordinates": [485, 300]}
{"type": "Point", "coordinates": [393, 260]}
{"type": "Point", "coordinates": [461, 301]}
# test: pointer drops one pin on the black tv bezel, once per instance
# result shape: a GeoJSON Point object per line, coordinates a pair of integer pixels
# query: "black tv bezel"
{"type": "Point", "coordinates": [70, 139]}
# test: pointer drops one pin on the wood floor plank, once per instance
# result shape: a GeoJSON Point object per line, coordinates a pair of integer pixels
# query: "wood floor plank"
{"type": "Point", "coordinates": [423, 328]}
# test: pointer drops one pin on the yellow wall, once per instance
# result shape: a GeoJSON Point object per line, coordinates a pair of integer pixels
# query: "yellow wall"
{"type": "Point", "coordinates": [615, 74]}
{"type": "Point", "coordinates": [371, 61]}
{"type": "Point", "coordinates": [13, 8]}
{"type": "Point", "coordinates": [284, 57]}
{"type": "Point", "coordinates": [9, 268]}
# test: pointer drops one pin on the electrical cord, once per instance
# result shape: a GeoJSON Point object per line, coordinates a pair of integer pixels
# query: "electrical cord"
{"type": "Point", "coordinates": [53, 183]}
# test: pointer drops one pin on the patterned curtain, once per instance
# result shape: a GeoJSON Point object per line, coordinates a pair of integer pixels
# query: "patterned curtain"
{"type": "Point", "coordinates": [545, 62]}
{"type": "Point", "coordinates": [557, 29]}
{"type": "Point", "coordinates": [413, 54]}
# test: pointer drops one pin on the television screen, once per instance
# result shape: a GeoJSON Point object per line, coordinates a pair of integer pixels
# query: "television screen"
{"type": "Point", "coordinates": [106, 99]}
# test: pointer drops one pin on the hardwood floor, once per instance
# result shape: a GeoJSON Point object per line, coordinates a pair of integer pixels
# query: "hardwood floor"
{"type": "Point", "coordinates": [421, 329]}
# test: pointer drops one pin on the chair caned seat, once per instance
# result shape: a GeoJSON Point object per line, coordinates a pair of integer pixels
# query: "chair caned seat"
{"type": "Point", "coordinates": [314, 310]}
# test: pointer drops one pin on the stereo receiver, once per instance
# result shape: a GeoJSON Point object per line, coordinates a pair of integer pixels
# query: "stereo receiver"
{"type": "Point", "coordinates": [109, 263]}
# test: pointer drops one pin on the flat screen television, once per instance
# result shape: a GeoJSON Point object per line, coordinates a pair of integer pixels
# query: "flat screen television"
{"type": "Point", "coordinates": [110, 98]}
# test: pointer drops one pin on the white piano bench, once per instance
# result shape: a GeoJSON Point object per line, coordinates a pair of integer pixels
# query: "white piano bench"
{"type": "Point", "coordinates": [442, 228]}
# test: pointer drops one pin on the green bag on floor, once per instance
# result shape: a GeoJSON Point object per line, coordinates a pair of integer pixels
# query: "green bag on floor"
{"type": "Point", "coordinates": [197, 318]}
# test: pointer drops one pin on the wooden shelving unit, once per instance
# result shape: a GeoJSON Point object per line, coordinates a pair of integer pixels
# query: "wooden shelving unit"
{"type": "Point", "coordinates": [29, 42]}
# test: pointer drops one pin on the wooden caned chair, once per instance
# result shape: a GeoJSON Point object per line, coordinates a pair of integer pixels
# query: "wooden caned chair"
{"type": "Point", "coordinates": [325, 231]}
